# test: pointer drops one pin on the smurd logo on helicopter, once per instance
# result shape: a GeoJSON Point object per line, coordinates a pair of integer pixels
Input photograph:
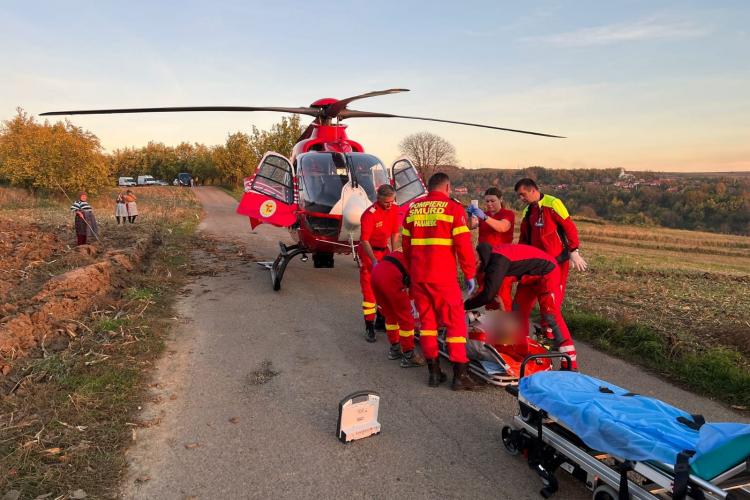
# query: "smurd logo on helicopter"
{"type": "Point", "coordinates": [319, 193]}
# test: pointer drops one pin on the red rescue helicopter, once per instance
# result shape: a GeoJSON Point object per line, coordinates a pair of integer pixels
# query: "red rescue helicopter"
{"type": "Point", "coordinates": [319, 193]}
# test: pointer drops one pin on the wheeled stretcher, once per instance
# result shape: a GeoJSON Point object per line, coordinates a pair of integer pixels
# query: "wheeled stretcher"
{"type": "Point", "coordinates": [623, 445]}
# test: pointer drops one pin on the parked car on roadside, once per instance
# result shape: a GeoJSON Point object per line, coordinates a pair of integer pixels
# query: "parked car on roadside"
{"type": "Point", "coordinates": [146, 180]}
{"type": "Point", "coordinates": [160, 182]}
{"type": "Point", "coordinates": [184, 179]}
{"type": "Point", "coordinates": [126, 181]}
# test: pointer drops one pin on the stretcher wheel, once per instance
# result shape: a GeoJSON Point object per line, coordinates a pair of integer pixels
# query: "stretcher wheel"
{"type": "Point", "coordinates": [549, 481]}
{"type": "Point", "coordinates": [511, 441]}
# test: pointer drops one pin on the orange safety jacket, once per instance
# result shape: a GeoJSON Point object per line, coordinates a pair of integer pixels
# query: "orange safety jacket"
{"type": "Point", "coordinates": [433, 235]}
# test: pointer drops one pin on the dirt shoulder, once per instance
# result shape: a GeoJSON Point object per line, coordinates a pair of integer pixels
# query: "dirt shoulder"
{"type": "Point", "coordinates": [80, 328]}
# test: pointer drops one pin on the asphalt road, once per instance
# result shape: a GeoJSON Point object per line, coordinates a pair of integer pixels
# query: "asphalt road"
{"type": "Point", "coordinates": [227, 428]}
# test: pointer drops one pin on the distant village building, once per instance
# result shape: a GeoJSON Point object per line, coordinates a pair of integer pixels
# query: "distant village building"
{"type": "Point", "coordinates": [624, 176]}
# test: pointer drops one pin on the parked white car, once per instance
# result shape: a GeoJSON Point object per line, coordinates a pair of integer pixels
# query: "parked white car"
{"type": "Point", "coordinates": [126, 181]}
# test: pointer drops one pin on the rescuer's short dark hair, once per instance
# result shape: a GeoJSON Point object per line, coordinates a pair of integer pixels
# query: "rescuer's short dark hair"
{"type": "Point", "coordinates": [526, 182]}
{"type": "Point", "coordinates": [386, 190]}
{"type": "Point", "coordinates": [493, 191]}
{"type": "Point", "coordinates": [438, 179]}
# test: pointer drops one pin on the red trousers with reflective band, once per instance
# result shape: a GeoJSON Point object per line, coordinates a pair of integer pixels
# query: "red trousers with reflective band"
{"type": "Point", "coordinates": [365, 282]}
{"type": "Point", "coordinates": [441, 304]}
{"type": "Point", "coordinates": [394, 303]}
{"type": "Point", "coordinates": [546, 290]}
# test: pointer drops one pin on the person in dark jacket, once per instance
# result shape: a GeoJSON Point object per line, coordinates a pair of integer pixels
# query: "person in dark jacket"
{"type": "Point", "coordinates": [85, 222]}
{"type": "Point", "coordinates": [538, 279]}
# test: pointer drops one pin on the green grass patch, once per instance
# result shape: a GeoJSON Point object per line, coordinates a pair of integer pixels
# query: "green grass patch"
{"type": "Point", "coordinates": [141, 293]}
{"type": "Point", "coordinates": [716, 372]}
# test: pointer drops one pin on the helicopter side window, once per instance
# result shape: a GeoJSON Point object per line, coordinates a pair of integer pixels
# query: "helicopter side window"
{"type": "Point", "coordinates": [274, 178]}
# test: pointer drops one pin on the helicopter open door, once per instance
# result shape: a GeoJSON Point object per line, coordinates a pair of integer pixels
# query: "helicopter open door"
{"type": "Point", "coordinates": [269, 194]}
{"type": "Point", "coordinates": [408, 184]}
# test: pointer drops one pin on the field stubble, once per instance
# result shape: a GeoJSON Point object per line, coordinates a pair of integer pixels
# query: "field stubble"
{"type": "Point", "coordinates": [691, 288]}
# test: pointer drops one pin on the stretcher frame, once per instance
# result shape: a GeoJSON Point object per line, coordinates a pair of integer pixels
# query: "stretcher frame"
{"type": "Point", "coordinates": [549, 446]}
{"type": "Point", "coordinates": [476, 368]}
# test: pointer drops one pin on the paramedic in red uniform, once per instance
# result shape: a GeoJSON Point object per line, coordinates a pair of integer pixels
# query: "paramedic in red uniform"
{"type": "Point", "coordinates": [379, 227]}
{"type": "Point", "coordinates": [390, 282]}
{"type": "Point", "coordinates": [546, 224]}
{"type": "Point", "coordinates": [538, 279]}
{"type": "Point", "coordinates": [496, 228]}
{"type": "Point", "coordinates": [434, 235]}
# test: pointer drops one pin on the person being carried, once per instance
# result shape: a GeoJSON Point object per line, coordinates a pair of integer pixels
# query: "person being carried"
{"type": "Point", "coordinates": [84, 222]}
{"type": "Point", "coordinates": [495, 225]}
{"type": "Point", "coordinates": [434, 236]}
{"type": "Point", "coordinates": [390, 282]}
{"type": "Point", "coordinates": [379, 228]}
{"type": "Point", "coordinates": [538, 279]}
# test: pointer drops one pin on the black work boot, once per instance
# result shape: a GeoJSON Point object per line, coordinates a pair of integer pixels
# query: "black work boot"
{"type": "Point", "coordinates": [412, 359]}
{"type": "Point", "coordinates": [369, 331]}
{"type": "Point", "coordinates": [437, 376]}
{"type": "Point", "coordinates": [461, 379]}
{"type": "Point", "coordinates": [379, 322]}
{"type": "Point", "coordinates": [394, 352]}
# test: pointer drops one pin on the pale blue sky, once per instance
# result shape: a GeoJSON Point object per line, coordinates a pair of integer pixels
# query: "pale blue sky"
{"type": "Point", "coordinates": [638, 84]}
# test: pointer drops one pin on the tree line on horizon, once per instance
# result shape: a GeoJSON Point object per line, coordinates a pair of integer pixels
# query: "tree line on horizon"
{"type": "Point", "coordinates": [47, 157]}
{"type": "Point", "coordinates": [718, 204]}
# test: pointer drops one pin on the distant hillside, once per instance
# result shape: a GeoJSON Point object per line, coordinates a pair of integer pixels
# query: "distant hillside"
{"type": "Point", "coordinates": [708, 201]}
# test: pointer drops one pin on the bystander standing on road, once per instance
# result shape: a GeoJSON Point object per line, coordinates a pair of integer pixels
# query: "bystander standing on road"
{"type": "Point", "coordinates": [84, 222]}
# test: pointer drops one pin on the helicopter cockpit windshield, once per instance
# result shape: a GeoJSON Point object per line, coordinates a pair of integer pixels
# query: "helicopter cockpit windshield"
{"type": "Point", "coordinates": [368, 172]}
{"type": "Point", "coordinates": [322, 179]}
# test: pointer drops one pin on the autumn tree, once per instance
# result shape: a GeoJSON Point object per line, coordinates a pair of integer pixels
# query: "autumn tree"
{"type": "Point", "coordinates": [235, 160]}
{"type": "Point", "coordinates": [281, 138]}
{"type": "Point", "coordinates": [48, 157]}
{"type": "Point", "coordinates": [241, 154]}
{"type": "Point", "coordinates": [428, 152]}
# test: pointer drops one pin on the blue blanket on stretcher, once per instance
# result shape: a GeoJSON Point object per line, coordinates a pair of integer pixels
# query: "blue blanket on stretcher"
{"type": "Point", "coordinates": [612, 420]}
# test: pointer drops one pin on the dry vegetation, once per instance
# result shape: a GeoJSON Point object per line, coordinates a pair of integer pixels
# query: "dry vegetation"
{"type": "Point", "coordinates": [77, 328]}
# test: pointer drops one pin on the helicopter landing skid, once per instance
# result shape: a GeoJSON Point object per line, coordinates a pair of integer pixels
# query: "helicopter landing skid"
{"type": "Point", "coordinates": [279, 265]}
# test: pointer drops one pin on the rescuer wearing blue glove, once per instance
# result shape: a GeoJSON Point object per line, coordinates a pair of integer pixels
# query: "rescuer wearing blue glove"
{"type": "Point", "coordinates": [477, 212]}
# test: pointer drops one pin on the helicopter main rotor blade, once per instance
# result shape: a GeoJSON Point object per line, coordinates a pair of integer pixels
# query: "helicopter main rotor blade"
{"type": "Point", "coordinates": [336, 108]}
{"type": "Point", "coordinates": [350, 113]}
{"type": "Point", "coordinates": [301, 111]}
